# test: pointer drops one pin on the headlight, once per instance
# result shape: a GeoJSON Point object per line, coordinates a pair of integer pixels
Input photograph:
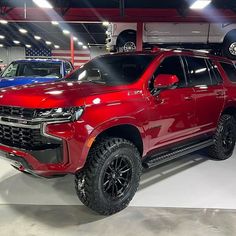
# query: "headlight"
{"type": "Point", "coordinates": [72, 113]}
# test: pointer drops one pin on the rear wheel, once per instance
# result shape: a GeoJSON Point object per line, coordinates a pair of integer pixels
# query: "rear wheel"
{"type": "Point", "coordinates": [110, 177]}
{"type": "Point", "coordinates": [224, 138]}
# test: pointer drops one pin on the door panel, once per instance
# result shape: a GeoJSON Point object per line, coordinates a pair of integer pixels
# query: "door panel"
{"type": "Point", "coordinates": [208, 93]}
{"type": "Point", "coordinates": [172, 117]}
{"type": "Point", "coordinates": [172, 111]}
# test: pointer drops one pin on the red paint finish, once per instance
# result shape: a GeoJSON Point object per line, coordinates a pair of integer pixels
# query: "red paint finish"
{"type": "Point", "coordinates": [172, 115]}
{"type": "Point", "coordinates": [113, 15]}
{"type": "Point", "coordinates": [72, 49]}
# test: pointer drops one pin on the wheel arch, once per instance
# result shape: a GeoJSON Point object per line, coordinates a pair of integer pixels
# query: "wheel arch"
{"type": "Point", "coordinates": [230, 34]}
{"type": "Point", "coordinates": [125, 33]}
{"type": "Point", "coordinates": [230, 110]}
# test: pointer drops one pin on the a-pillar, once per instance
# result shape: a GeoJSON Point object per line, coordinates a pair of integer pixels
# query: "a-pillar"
{"type": "Point", "coordinates": [139, 39]}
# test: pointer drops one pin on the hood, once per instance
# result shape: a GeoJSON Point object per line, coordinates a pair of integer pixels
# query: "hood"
{"type": "Point", "coordinates": [51, 95]}
{"type": "Point", "coordinates": [17, 81]}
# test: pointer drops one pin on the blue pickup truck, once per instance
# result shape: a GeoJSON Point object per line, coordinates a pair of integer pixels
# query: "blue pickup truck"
{"type": "Point", "coordinates": [30, 71]}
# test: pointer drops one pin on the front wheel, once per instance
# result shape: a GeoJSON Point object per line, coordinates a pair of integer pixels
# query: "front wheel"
{"type": "Point", "coordinates": [224, 138]}
{"type": "Point", "coordinates": [111, 176]}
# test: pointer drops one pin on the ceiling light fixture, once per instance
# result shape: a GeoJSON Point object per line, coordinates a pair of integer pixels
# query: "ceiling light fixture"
{"type": "Point", "coordinates": [85, 47]}
{"type": "Point", "coordinates": [75, 38]}
{"type": "Point", "coordinates": [37, 37]}
{"type": "Point", "coordinates": [56, 46]}
{"type": "Point", "coordinates": [200, 4]}
{"type": "Point", "coordinates": [48, 42]}
{"type": "Point", "coordinates": [105, 23]}
{"type": "Point", "coordinates": [4, 22]}
{"type": "Point", "coordinates": [2, 37]}
{"type": "Point", "coordinates": [54, 22]}
{"type": "Point", "coordinates": [28, 45]}
{"type": "Point", "coordinates": [66, 31]}
{"type": "Point", "coordinates": [80, 43]}
{"type": "Point", "coordinates": [43, 3]}
{"type": "Point", "coordinates": [23, 31]}
{"type": "Point", "coordinates": [1, 45]}
{"type": "Point", "coordinates": [16, 42]}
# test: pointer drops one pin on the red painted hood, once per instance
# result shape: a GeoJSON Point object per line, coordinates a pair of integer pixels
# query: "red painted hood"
{"type": "Point", "coordinates": [60, 94]}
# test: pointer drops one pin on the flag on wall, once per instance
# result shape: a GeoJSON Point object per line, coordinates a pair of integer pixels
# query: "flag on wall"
{"type": "Point", "coordinates": [81, 56]}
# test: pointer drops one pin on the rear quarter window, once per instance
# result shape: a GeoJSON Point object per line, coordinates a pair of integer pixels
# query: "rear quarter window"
{"type": "Point", "coordinates": [230, 70]}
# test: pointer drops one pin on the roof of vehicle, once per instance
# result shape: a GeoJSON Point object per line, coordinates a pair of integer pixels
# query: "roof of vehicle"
{"type": "Point", "coordinates": [177, 51]}
{"type": "Point", "coordinates": [41, 60]}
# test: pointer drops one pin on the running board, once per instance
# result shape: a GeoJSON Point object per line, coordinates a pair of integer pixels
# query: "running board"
{"type": "Point", "coordinates": [159, 159]}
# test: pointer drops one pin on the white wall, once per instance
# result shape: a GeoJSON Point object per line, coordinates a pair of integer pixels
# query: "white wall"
{"type": "Point", "coordinates": [12, 53]}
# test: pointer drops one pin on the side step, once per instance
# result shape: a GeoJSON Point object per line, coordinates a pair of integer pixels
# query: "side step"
{"type": "Point", "coordinates": [161, 158]}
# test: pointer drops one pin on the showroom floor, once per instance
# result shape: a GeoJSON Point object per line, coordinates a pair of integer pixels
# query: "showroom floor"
{"type": "Point", "coordinates": [192, 196]}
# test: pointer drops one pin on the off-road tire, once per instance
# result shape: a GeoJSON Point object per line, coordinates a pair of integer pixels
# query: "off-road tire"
{"type": "Point", "coordinates": [218, 150]}
{"type": "Point", "coordinates": [229, 40]}
{"type": "Point", "coordinates": [89, 182]}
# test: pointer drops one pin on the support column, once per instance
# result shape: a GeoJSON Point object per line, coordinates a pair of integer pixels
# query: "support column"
{"type": "Point", "coordinates": [72, 49]}
{"type": "Point", "coordinates": [139, 37]}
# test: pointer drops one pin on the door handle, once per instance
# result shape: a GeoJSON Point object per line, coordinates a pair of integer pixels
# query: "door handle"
{"type": "Point", "coordinates": [188, 98]}
{"type": "Point", "coordinates": [219, 93]}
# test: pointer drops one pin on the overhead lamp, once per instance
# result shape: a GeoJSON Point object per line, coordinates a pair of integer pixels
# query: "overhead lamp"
{"type": "Point", "coordinates": [2, 37]}
{"type": "Point", "coordinates": [66, 31]}
{"type": "Point", "coordinates": [23, 31]}
{"type": "Point", "coordinates": [54, 22]}
{"type": "Point", "coordinates": [37, 37]}
{"type": "Point", "coordinates": [1, 45]}
{"type": "Point", "coordinates": [4, 22]}
{"type": "Point", "coordinates": [200, 4]}
{"type": "Point", "coordinates": [75, 38]}
{"type": "Point", "coordinates": [48, 42]}
{"type": "Point", "coordinates": [80, 43]}
{"type": "Point", "coordinates": [16, 42]}
{"type": "Point", "coordinates": [56, 46]}
{"type": "Point", "coordinates": [105, 23]}
{"type": "Point", "coordinates": [85, 47]}
{"type": "Point", "coordinates": [43, 3]}
{"type": "Point", "coordinates": [28, 45]}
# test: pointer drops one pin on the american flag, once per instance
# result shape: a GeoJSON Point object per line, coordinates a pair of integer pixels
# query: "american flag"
{"type": "Point", "coordinates": [81, 56]}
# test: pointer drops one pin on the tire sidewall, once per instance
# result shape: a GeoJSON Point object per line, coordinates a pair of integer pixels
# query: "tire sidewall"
{"type": "Point", "coordinates": [133, 159]}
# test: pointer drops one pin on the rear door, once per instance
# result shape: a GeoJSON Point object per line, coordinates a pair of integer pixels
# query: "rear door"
{"type": "Point", "coordinates": [208, 92]}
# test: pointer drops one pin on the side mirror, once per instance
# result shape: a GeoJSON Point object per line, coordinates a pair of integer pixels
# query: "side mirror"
{"type": "Point", "coordinates": [165, 81]}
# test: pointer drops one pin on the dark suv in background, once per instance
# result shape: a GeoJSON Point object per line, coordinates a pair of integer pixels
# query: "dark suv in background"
{"type": "Point", "coordinates": [118, 114]}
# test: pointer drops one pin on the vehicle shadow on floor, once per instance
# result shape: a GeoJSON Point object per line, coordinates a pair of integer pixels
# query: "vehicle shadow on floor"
{"type": "Point", "coordinates": [44, 199]}
{"type": "Point", "coordinates": [166, 170]}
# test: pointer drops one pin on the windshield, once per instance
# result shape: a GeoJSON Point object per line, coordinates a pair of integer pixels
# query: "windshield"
{"type": "Point", "coordinates": [113, 70]}
{"type": "Point", "coordinates": [33, 69]}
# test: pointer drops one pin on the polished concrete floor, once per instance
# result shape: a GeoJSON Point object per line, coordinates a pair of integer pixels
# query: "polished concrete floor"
{"type": "Point", "coordinates": [192, 196]}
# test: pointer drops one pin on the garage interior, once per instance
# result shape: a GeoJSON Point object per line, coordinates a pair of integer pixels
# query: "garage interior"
{"type": "Point", "coordinates": [193, 195]}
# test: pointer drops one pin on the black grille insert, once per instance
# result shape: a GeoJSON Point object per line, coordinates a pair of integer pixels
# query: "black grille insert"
{"type": "Point", "coordinates": [26, 138]}
{"type": "Point", "coordinates": [17, 112]}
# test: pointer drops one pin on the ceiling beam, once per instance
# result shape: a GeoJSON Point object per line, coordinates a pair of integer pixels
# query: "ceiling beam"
{"type": "Point", "coordinates": [83, 15]}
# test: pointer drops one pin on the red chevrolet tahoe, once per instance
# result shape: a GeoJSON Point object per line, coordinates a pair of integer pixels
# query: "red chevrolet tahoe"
{"type": "Point", "coordinates": [117, 115]}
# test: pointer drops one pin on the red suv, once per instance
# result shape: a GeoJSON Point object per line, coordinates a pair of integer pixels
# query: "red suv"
{"type": "Point", "coordinates": [118, 114]}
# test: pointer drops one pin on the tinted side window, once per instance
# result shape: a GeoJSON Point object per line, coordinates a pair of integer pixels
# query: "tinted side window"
{"type": "Point", "coordinates": [215, 74]}
{"type": "Point", "coordinates": [198, 73]}
{"type": "Point", "coordinates": [172, 66]}
{"type": "Point", "coordinates": [229, 70]}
